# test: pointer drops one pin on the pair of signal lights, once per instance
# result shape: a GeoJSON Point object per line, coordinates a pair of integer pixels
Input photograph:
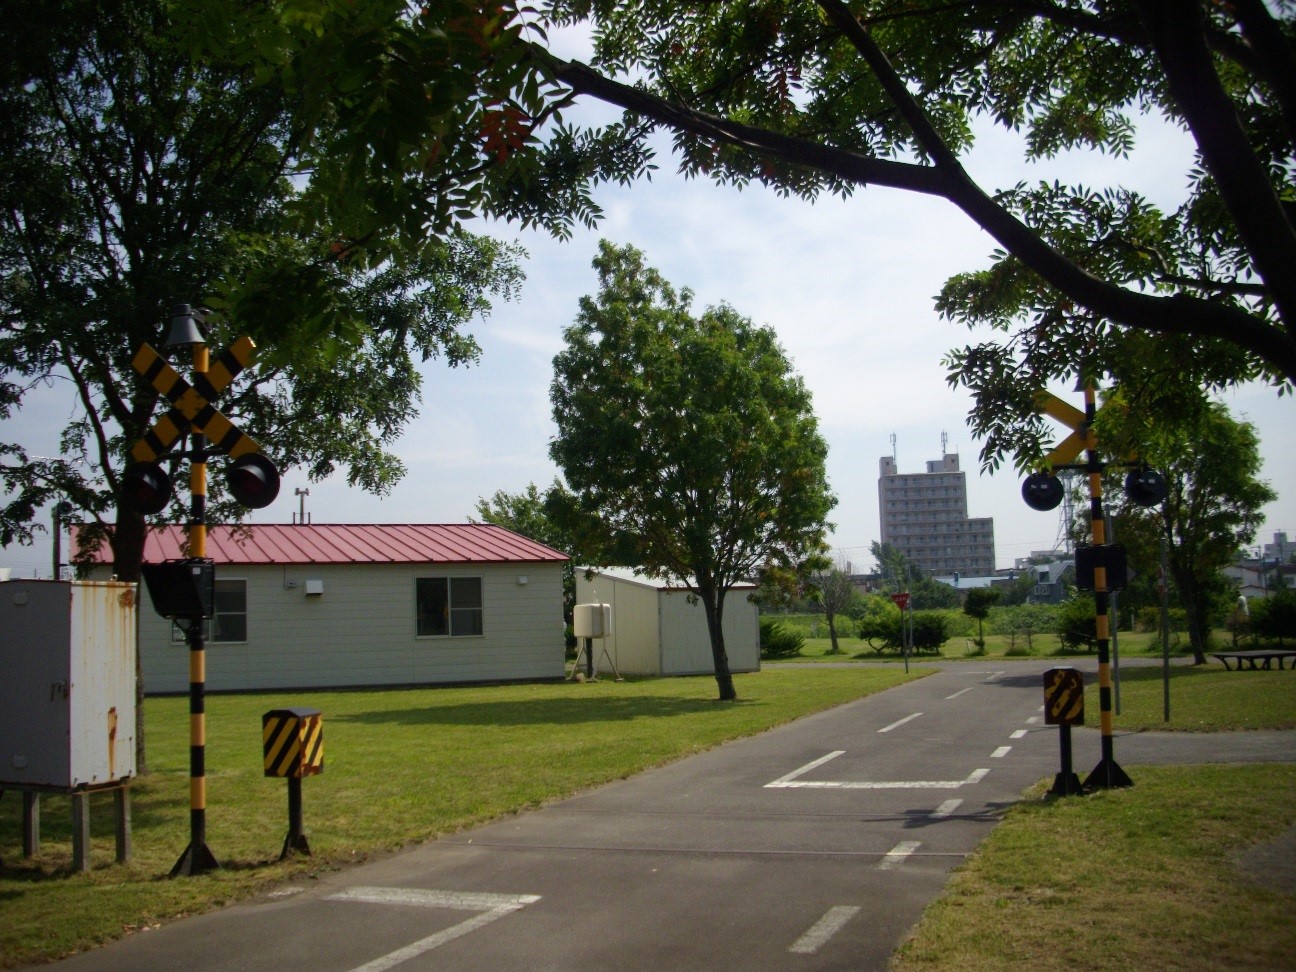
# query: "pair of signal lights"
{"type": "Point", "coordinates": [253, 481]}
{"type": "Point", "coordinates": [1144, 487]}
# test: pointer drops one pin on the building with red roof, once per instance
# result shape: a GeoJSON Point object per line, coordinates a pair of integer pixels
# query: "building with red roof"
{"type": "Point", "coordinates": [352, 605]}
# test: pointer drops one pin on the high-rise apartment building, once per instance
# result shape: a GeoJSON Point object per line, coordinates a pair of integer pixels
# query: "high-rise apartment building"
{"type": "Point", "coordinates": [924, 516]}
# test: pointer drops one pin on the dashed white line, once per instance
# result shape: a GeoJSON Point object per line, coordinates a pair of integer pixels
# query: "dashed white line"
{"type": "Point", "coordinates": [901, 722]}
{"type": "Point", "coordinates": [823, 929]}
{"type": "Point", "coordinates": [897, 854]}
{"type": "Point", "coordinates": [1018, 734]}
{"type": "Point", "coordinates": [1033, 720]}
{"type": "Point", "coordinates": [946, 808]}
{"type": "Point", "coordinates": [959, 692]}
{"type": "Point", "coordinates": [1001, 752]}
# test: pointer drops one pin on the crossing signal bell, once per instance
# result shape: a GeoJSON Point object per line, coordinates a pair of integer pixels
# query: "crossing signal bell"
{"type": "Point", "coordinates": [1145, 487]}
{"type": "Point", "coordinates": [1042, 491]}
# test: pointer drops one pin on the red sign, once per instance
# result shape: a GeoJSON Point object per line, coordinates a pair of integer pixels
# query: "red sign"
{"type": "Point", "coordinates": [901, 600]}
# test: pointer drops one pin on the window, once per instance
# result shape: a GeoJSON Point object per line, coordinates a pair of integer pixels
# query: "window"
{"type": "Point", "coordinates": [449, 606]}
{"type": "Point", "coordinates": [229, 621]}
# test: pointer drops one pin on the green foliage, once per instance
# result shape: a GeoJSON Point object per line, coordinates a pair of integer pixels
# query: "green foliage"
{"type": "Point", "coordinates": [688, 442]}
{"type": "Point", "coordinates": [1275, 616]}
{"type": "Point", "coordinates": [154, 153]}
{"type": "Point", "coordinates": [930, 631]}
{"type": "Point", "coordinates": [1077, 628]}
{"type": "Point", "coordinates": [1021, 623]}
{"type": "Point", "coordinates": [779, 639]}
{"type": "Point", "coordinates": [807, 98]}
{"type": "Point", "coordinates": [1211, 463]}
{"type": "Point", "coordinates": [977, 604]}
{"type": "Point", "coordinates": [899, 573]}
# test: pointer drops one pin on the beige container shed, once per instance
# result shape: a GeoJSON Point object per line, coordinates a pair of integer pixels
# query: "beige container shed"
{"type": "Point", "coordinates": [656, 631]}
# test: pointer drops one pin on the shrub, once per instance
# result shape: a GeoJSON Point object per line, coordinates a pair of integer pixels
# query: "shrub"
{"type": "Point", "coordinates": [1077, 628]}
{"type": "Point", "coordinates": [779, 640]}
{"type": "Point", "coordinates": [1275, 616]}
{"type": "Point", "coordinates": [930, 631]}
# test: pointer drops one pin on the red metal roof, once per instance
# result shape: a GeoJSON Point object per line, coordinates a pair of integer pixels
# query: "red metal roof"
{"type": "Point", "coordinates": [350, 543]}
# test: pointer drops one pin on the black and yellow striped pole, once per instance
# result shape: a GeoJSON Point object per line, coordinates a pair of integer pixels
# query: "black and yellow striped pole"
{"type": "Point", "coordinates": [197, 858]}
{"type": "Point", "coordinates": [146, 488]}
{"type": "Point", "coordinates": [1107, 774]}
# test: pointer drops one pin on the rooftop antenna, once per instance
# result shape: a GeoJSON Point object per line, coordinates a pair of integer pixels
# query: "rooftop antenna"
{"type": "Point", "coordinates": [302, 516]}
{"type": "Point", "coordinates": [893, 447]}
{"type": "Point", "coordinates": [944, 443]}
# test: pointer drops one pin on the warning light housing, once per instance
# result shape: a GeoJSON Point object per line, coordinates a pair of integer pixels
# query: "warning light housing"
{"type": "Point", "coordinates": [253, 481]}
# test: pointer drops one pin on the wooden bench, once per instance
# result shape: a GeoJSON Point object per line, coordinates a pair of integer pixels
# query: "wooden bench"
{"type": "Point", "coordinates": [1255, 659]}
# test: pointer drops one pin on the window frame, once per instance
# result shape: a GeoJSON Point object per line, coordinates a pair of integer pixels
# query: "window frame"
{"type": "Point", "coordinates": [179, 636]}
{"type": "Point", "coordinates": [455, 611]}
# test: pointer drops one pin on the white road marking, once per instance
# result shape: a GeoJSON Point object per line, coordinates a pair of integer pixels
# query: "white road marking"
{"type": "Point", "coordinates": [489, 907]}
{"type": "Point", "coordinates": [823, 929]}
{"type": "Point", "coordinates": [946, 808]}
{"type": "Point", "coordinates": [901, 722]}
{"type": "Point", "coordinates": [1018, 734]}
{"type": "Point", "coordinates": [897, 854]}
{"type": "Point", "coordinates": [1001, 752]}
{"type": "Point", "coordinates": [1033, 720]}
{"type": "Point", "coordinates": [959, 692]}
{"type": "Point", "coordinates": [789, 781]}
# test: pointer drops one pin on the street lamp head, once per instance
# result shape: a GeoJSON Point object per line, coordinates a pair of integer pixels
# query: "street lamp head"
{"type": "Point", "coordinates": [184, 327]}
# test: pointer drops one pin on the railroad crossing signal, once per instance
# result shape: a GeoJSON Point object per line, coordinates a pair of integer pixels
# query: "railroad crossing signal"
{"type": "Point", "coordinates": [253, 479]}
{"type": "Point", "coordinates": [1043, 490]}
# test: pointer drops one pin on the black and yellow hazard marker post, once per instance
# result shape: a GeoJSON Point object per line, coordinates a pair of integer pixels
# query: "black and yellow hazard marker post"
{"type": "Point", "coordinates": [293, 741]}
{"type": "Point", "coordinates": [1064, 708]}
{"type": "Point", "coordinates": [1107, 774]}
{"type": "Point", "coordinates": [197, 858]}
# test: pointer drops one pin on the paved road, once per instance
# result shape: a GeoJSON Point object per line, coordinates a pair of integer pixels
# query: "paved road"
{"type": "Point", "coordinates": [813, 846]}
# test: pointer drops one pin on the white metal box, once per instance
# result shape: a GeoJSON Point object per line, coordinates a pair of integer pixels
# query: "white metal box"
{"type": "Point", "coordinates": [592, 620]}
{"type": "Point", "coordinates": [67, 683]}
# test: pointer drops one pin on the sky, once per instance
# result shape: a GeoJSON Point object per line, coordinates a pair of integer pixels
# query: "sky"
{"type": "Point", "coordinates": [848, 285]}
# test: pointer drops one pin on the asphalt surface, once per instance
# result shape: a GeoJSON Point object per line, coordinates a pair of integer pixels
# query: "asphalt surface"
{"type": "Point", "coordinates": [813, 846]}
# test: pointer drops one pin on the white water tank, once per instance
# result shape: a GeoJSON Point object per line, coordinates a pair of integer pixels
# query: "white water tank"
{"type": "Point", "coordinates": [592, 620]}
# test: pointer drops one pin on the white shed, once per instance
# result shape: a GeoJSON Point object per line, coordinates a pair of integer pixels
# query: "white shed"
{"type": "Point", "coordinates": [351, 605]}
{"type": "Point", "coordinates": [656, 631]}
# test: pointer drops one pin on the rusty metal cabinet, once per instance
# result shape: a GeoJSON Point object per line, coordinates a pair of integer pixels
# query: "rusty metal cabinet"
{"type": "Point", "coordinates": [67, 684]}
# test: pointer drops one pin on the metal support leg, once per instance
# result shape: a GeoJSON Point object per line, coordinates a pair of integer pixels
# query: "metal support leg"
{"type": "Point", "coordinates": [31, 823]}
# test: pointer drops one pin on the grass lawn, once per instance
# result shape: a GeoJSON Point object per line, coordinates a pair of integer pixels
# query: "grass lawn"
{"type": "Point", "coordinates": [1203, 698]}
{"type": "Point", "coordinates": [400, 767]}
{"type": "Point", "coordinates": [1141, 878]}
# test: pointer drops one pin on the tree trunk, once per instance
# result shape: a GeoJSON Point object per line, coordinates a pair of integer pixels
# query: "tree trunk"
{"type": "Point", "coordinates": [1197, 609]}
{"type": "Point", "coordinates": [832, 633]}
{"type": "Point", "coordinates": [713, 606]}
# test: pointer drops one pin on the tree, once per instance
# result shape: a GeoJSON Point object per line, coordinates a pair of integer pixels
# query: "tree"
{"type": "Point", "coordinates": [687, 440]}
{"type": "Point", "coordinates": [135, 174]}
{"type": "Point", "coordinates": [1211, 464]}
{"type": "Point", "coordinates": [899, 573]}
{"type": "Point", "coordinates": [977, 604]}
{"type": "Point", "coordinates": [833, 592]}
{"type": "Point", "coordinates": [825, 97]}
{"type": "Point", "coordinates": [530, 513]}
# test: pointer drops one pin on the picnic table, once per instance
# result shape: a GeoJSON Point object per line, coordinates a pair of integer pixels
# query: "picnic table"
{"type": "Point", "coordinates": [1255, 659]}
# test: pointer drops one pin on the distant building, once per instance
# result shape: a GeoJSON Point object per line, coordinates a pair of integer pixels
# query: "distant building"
{"type": "Point", "coordinates": [924, 516]}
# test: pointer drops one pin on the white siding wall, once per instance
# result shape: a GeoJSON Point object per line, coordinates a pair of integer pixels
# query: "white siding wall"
{"type": "Point", "coordinates": [634, 644]}
{"type": "Point", "coordinates": [362, 630]}
{"type": "Point", "coordinates": [657, 632]}
{"type": "Point", "coordinates": [686, 642]}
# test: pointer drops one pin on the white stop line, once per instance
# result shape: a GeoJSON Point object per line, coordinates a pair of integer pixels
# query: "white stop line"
{"type": "Point", "coordinates": [489, 907]}
{"type": "Point", "coordinates": [792, 780]}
